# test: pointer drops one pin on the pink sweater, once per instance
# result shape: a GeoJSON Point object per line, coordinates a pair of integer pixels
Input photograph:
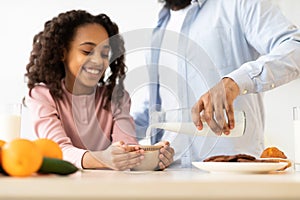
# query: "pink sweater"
{"type": "Point", "coordinates": [79, 123]}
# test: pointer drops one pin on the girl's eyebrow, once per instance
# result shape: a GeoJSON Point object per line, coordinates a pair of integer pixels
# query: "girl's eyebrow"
{"type": "Point", "coordinates": [106, 46]}
{"type": "Point", "coordinates": [93, 44]}
{"type": "Point", "coordinates": [87, 43]}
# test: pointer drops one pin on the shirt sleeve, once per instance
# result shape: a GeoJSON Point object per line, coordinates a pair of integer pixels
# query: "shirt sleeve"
{"type": "Point", "coordinates": [278, 42]}
{"type": "Point", "coordinates": [123, 125]}
{"type": "Point", "coordinates": [47, 123]}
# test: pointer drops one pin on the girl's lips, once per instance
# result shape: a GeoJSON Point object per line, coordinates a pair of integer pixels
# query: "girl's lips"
{"type": "Point", "coordinates": [93, 71]}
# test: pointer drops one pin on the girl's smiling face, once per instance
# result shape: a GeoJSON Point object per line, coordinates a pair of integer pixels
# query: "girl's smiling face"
{"type": "Point", "coordinates": [86, 58]}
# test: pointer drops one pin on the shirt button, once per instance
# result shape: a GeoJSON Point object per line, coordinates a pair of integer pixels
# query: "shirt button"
{"type": "Point", "coordinates": [245, 91]}
{"type": "Point", "coordinates": [273, 85]}
{"type": "Point", "coordinates": [292, 27]}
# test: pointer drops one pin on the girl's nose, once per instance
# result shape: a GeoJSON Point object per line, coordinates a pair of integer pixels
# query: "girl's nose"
{"type": "Point", "coordinates": [96, 59]}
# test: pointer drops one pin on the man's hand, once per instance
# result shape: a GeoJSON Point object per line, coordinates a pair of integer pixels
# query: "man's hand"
{"type": "Point", "coordinates": [210, 107]}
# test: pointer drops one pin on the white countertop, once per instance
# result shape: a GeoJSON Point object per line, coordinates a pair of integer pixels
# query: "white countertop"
{"type": "Point", "coordinates": [168, 184]}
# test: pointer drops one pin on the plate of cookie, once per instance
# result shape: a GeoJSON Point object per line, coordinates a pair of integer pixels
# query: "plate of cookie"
{"type": "Point", "coordinates": [243, 163]}
{"type": "Point", "coordinates": [239, 167]}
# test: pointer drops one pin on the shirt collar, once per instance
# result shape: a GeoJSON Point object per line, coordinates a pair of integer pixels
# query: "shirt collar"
{"type": "Point", "coordinates": [165, 13]}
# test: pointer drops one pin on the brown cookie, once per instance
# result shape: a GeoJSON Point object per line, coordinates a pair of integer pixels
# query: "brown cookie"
{"type": "Point", "coordinates": [229, 158]}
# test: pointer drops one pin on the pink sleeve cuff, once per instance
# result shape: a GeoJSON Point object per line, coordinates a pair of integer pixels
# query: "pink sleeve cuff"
{"type": "Point", "coordinates": [74, 155]}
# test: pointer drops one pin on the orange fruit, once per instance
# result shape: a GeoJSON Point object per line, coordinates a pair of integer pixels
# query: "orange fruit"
{"type": "Point", "coordinates": [2, 142]}
{"type": "Point", "coordinates": [49, 148]}
{"type": "Point", "coordinates": [21, 157]}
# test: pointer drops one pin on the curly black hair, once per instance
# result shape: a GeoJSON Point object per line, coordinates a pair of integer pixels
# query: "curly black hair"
{"type": "Point", "coordinates": [46, 65]}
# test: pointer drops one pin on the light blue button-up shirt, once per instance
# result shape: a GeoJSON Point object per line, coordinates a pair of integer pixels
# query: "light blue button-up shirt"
{"type": "Point", "coordinates": [249, 41]}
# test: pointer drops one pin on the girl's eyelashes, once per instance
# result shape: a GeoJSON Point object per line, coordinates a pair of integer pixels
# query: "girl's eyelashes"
{"type": "Point", "coordinates": [104, 55]}
{"type": "Point", "coordinates": [86, 52]}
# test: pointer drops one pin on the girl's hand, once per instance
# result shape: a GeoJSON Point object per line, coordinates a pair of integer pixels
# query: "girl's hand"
{"type": "Point", "coordinates": [166, 154]}
{"type": "Point", "coordinates": [120, 156]}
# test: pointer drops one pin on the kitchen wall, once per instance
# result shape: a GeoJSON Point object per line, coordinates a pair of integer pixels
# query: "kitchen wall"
{"type": "Point", "coordinates": [20, 20]}
{"type": "Point", "coordinates": [279, 102]}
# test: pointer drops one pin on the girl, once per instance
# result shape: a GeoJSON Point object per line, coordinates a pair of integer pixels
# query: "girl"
{"type": "Point", "coordinates": [74, 101]}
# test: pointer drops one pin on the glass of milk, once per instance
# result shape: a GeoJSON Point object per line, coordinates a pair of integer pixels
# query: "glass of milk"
{"type": "Point", "coordinates": [296, 124]}
{"type": "Point", "coordinates": [10, 121]}
{"type": "Point", "coordinates": [180, 121]}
